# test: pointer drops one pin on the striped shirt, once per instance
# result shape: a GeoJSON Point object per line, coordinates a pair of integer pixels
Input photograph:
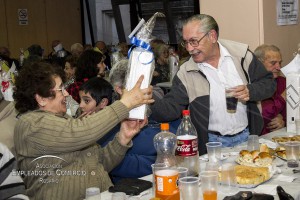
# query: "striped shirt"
{"type": "Point", "coordinates": [59, 156]}
{"type": "Point", "coordinates": [11, 185]}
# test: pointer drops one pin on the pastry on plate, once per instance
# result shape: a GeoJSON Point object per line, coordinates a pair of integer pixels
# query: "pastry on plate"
{"type": "Point", "coordinates": [246, 175]}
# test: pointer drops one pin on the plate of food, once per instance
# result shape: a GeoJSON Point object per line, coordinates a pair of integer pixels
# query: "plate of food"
{"type": "Point", "coordinates": [284, 139]}
{"type": "Point", "coordinates": [255, 158]}
{"type": "Point", "coordinates": [250, 177]}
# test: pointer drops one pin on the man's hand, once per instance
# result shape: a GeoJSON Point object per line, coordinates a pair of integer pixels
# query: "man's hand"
{"type": "Point", "coordinates": [241, 92]}
{"type": "Point", "coordinates": [276, 123]}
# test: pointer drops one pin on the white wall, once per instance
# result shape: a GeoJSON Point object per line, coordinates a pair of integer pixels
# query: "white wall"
{"type": "Point", "coordinates": [253, 22]}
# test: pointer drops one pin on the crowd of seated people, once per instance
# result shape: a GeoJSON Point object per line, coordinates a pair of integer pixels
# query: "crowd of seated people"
{"type": "Point", "coordinates": [96, 136]}
{"type": "Point", "coordinates": [41, 93]}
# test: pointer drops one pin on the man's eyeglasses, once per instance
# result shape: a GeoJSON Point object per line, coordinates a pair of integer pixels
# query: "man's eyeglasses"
{"type": "Point", "coordinates": [62, 89]}
{"type": "Point", "coordinates": [193, 42]}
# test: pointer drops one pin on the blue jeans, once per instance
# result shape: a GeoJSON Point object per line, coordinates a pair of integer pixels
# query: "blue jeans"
{"type": "Point", "coordinates": [230, 141]}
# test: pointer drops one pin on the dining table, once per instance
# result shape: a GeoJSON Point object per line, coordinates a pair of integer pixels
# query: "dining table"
{"type": "Point", "coordinates": [291, 187]}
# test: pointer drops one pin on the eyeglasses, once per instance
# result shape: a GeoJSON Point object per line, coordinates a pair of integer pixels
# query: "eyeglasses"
{"type": "Point", "coordinates": [193, 42]}
{"type": "Point", "coordinates": [62, 89]}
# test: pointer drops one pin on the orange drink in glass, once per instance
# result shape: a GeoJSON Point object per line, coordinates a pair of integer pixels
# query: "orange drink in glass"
{"type": "Point", "coordinates": [209, 184]}
{"type": "Point", "coordinates": [166, 182]}
{"type": "Point", "coordinates": [209, 195]}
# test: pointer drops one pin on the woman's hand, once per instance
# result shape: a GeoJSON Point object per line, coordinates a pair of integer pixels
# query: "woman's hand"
{"type": "Point", "coordinates": [129, 128]}
{"type": "Point", "coordinates": [137, 96]}
{"type": "Point", "coordinates": [84, 114]}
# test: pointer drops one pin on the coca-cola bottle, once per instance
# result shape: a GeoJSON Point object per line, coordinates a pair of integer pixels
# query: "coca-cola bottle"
{"type": "Point", "coordinates": [165, 145]}
{"type": "Point", "coordinates": [187, 145]}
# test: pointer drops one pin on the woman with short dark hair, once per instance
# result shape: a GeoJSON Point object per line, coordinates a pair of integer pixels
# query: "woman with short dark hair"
{"type": "Point", "coordinates": [59, 154]}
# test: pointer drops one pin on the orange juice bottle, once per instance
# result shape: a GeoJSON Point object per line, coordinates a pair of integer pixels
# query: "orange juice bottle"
{"type": "Point", "coordinates": [210, 195]}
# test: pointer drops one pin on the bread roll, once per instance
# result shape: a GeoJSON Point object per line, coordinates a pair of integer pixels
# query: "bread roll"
{"type": "Point", "coordinates": [245, 157]}
{"type": "Point", "coordinates": [264, 148]}
{"type": "Point", "coordinates": [264, 159]}
{"type": "Point", "coordinates": [254, 153]}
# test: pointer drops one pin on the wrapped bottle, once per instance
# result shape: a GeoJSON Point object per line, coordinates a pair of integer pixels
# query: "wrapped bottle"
{"type": "Point", "coordinates": [187, 145]}
{"type": "Point", "coordinates": [141, 60]}
{"type": "Point", "coordinates": [165, 145]}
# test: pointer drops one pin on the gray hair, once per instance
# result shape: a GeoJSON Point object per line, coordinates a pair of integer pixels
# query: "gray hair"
{"type": "Point", "coordinates": [261, 50]}
{"type": "Point", "coordinates": [207, 23]}
{"type": "Point", "coordinates": [118, 73]}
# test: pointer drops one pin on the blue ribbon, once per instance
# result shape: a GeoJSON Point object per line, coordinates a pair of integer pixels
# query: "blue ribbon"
{"type": "Point", "coordinates": [139, 43]}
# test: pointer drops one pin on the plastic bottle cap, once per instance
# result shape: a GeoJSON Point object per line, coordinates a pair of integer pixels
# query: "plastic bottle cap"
{"type": "Point", "coordinates": [185, 112]}
{"type": "Point", "coordinates": [164, 126]}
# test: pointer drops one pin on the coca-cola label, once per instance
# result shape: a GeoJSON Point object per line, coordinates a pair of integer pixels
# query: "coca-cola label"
{"type": "Point", "coordinates": [187, 147]}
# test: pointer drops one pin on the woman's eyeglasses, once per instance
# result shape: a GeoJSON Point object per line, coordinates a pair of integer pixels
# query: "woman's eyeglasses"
{"type": "Point", "coordinates": [62, 89]}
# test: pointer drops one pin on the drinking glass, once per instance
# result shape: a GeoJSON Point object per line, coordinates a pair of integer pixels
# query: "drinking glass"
{"type": "Point", "coordinates": [182, 172]}
{"type": "Point", "coordinates": [292, 153]}
{"type": "Point", "coordinates": [228, 179]}
{"type": "Point", "coordinates": [166, 179]}
{"type": "Point", "coordinates": [92, 193]}
{"type": "Point", "coordinates": [189, 188]}
{"type": "Point", "coordinates": [212, 166]}
{"type": "Point", "coordinates": [214, 151]}
{"type": "Point", "coordinates": [231, 101]}
{"type": "Point", "coordinates": [209, 184]}
{"type": "Point", "coordinates": [155, 167]}
{"type": "Point", "coordinates": [253, 143]}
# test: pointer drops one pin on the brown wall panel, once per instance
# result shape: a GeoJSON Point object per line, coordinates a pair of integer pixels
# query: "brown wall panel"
{"type": "Point", "coordinates": [47, 20]}
{"type": "Point", "coordinates": [3, 32]}
{"type": "Point", "coordinates": [26, 35]}
{"type": "Point", "coordinates": [63, 22]}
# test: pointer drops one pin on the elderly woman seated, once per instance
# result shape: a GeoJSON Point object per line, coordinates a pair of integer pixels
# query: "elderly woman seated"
{"type": "Point", "coordinates": [58, 154]}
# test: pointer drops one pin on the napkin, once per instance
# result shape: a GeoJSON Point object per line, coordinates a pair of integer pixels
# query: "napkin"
{"type": "Point", "coordinates": [266, 189]}
{"type": "Point", "coordinates": [269, 143]}
{"type": "Point", "coordinates": [285, 178]}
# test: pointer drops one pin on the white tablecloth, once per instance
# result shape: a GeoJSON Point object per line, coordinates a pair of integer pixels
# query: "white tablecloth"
{"type": "Point", "coordinates": [292, 188]}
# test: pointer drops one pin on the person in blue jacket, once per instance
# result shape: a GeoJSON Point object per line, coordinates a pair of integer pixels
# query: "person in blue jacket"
{"type": "Point", "coordinates": [97, 93]}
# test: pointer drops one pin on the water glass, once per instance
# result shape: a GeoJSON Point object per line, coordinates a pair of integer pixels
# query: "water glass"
{"type": "Point", "coordinates": [182, 172]}
{"type": "Point", "coordinates": [292, 153]}
{"type": "Point", "coordinates": [92, 193]}
{"type": "Point", "coordinates": [212, 166]}
{"type": "Point", "coordinates": [228, 179]}
{"type": "Point", "coordinates": [253, 143]}
{"type": "Point", "coordinates": [189, 188]}
{"type": "Point", "coordinates": [214, 151]}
